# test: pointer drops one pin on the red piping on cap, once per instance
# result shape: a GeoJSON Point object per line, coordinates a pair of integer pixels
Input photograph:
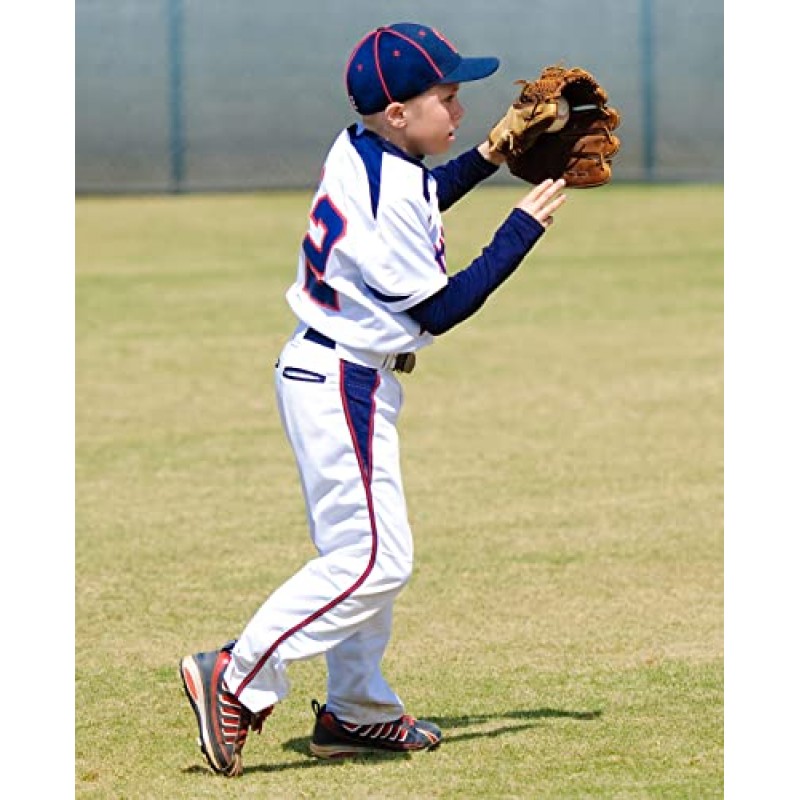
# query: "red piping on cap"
{"type": "Point", "coordinates": [423, 51]}
{"type": "Point", "coordinates": [378, 65]}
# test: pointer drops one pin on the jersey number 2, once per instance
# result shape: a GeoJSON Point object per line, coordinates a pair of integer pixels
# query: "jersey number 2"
{"type": "Point", "coordinates": [326, 216]}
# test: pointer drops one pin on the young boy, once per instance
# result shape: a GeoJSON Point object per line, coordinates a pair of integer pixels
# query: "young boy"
{"type": "Point", "coordinates": [371, 290]}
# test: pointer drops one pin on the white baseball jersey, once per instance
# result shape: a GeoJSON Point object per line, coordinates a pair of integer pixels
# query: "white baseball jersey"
{"type": "Point", "coordinates": [374, 247]}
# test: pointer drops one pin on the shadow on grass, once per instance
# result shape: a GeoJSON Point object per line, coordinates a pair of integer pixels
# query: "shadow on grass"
{"type": "Point", "coordinates": [299, 746]}
{"type": "Point", "coordinates": [531, 718]}
{"type": "Point", "coordinates": [532, 714]}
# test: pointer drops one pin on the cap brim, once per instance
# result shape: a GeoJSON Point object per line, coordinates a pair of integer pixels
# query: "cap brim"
{"type": "Point", "coordinates": [472, 69]}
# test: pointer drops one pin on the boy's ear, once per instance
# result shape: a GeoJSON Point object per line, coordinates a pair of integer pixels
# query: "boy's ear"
{"type": "Point", "coordinates": [396, 115]}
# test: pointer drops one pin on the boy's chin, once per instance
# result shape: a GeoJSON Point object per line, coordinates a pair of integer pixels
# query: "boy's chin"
{"type": "Point", "coordinates": [442, 148]}
{"type": "Point", "coordinates": [438, 148]}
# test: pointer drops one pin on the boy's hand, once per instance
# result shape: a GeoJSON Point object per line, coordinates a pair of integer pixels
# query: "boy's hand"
{"type": "Point", "coordinates": [526, 119]}
{"type": "Point", "coordinates": [543, 201]}
{"type": "Point", "coordinates": [492, 156]}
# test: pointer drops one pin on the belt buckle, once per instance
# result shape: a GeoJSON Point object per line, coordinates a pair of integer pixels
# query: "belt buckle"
{"type": "Point", "coordinates": [405, 362]}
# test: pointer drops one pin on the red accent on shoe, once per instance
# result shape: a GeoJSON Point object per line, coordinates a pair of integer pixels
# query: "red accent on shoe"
{"type": "Point", "coordinates": [191, 687]}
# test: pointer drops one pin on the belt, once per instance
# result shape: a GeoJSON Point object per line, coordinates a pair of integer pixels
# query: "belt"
{"type": "Point", "coordinates": [402, 362]}
{"type": "Point", "coordinates": [320, 338]}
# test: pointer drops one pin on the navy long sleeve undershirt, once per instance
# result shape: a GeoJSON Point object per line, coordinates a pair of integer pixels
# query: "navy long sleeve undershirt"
{"type": "Point", "coordinates": [469, 289]}
{"type": "Point", "coordinates": [459, 175]}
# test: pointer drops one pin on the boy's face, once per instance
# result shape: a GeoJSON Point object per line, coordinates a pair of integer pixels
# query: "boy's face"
{"type": "Point", "coordinates": [432, 119]}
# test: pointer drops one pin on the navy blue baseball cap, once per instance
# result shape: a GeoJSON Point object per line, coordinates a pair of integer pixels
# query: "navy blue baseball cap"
{"type": "Point", "coordinates": [398, 62]}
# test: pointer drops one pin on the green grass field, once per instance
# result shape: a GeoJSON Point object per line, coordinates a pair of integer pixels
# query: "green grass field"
{"type": "Point", "coordinates": [563, 462]}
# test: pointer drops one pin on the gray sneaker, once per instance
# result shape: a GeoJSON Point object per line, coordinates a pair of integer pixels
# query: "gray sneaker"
{"type": "Point", "coordinates": [223, 721]}
{"type": "Point", "coordinates": [334, 738]}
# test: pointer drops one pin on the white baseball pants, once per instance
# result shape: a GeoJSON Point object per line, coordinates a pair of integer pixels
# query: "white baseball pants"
{"type": "Point", "coordinates": [340, 419]}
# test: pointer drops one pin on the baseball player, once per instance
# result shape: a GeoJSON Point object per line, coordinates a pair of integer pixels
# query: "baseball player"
{"type": "Point", "coordinates": [372, 289]}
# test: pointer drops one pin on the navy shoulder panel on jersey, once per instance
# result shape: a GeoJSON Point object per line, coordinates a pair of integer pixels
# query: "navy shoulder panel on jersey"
{"type": "Point", "coordinates": [372, 157]}
{"type": "Point", "coordinates": [371, 148]}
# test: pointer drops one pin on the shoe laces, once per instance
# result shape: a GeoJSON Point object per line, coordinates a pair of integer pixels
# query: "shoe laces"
{"type": "Point", "coordinates": [235, 720]}
{"type": "Point", "coordinates": [257, 720]}
{"type": "Point", "coordinates": [395, 731]}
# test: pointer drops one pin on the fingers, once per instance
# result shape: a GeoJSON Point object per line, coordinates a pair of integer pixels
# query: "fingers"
{"type": "Point", "coordinates": [543, 191]}
{"type": "Point", "coordinates": [550, 208]}
{"type": "Point", "coordinates": [544, 200]}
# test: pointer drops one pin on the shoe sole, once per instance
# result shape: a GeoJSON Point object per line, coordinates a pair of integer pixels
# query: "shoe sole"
{"type": "Point", "coordinates": [340, 750]}
{"type": "Point", "coordinates": [193, 687]}
{"type": "Point", "coordinates": [344, 750]}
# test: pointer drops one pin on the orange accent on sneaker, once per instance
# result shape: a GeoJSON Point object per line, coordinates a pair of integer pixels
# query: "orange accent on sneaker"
{"type": "Point", "coordinates": [191, 687]}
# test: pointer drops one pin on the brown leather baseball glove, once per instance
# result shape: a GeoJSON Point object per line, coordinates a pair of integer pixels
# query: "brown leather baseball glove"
{"type": "Point", "coordinates": [581, 151]}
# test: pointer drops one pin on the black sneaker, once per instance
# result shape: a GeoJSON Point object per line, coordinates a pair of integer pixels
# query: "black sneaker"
{"type": "Point", "coordinates": [223, 721]}
{"type": "Point", "coordinates": [333, 738]}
